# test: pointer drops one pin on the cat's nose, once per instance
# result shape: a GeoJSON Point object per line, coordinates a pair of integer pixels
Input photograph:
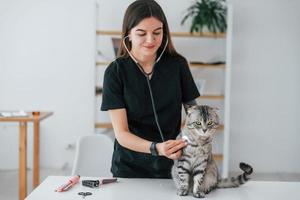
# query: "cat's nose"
{"type": "Point", "coordinates": [204, 130]}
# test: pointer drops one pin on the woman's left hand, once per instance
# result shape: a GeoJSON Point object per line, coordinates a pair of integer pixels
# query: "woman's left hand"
{"type": "Point", "coordinates": [172, 149]}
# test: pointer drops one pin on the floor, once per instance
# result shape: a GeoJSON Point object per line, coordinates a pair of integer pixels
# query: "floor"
{"type": "Point", "coordinates": [9, 180]}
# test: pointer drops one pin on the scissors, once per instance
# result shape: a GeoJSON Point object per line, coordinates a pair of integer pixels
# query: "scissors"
{"type": "Point", "coordinates": [84, 194]}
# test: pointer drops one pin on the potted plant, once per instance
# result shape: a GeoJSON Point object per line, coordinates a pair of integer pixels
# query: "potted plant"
{"type": "Point", "coordinates": [207, 15]}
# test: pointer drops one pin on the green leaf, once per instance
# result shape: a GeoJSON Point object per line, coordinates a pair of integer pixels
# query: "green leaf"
{"type": "Point", "coordinates": [207, 13]}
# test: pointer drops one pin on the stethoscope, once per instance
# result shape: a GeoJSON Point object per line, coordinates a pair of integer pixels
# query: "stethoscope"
{"type": "Point", "coordinates": [147, 75]}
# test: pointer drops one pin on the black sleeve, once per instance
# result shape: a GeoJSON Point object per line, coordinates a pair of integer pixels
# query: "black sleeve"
{"type": "Point", "coordinates": [188, 86]}
{"type": "Point", "coordinates": [112, 95]}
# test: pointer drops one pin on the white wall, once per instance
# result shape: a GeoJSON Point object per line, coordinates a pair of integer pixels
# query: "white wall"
{"type": "Point", "coordinates": [265, 120]}
{"type": "Point", "coordinates": [47, 63]}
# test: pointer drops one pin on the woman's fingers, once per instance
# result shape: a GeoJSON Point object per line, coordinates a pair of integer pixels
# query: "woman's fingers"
{"type": "Point", "coordinates": [171, 143]}
{"type": "Point", "coordinates": [174, 146]}
{"type": "Point", "coordinates": [171, 148]}
{"type": "Point", "coordinates": [176, 155]}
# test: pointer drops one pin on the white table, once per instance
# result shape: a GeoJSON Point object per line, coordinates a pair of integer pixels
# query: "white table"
{"type": "Point", "coordinates": [162, 189]}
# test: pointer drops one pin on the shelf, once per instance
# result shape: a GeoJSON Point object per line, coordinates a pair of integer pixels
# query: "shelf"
{"type": "Point", "coordinates": [221, 66]}
{"type": "Point", "coordinates": [212, 97]}
{"type": "Point", "coordinates": [103, 125]}
{"type": "Point", "coordinates": [98, 91]}
{"type": "Point", "coordinates": [105, 64]}
{"type": "Point", "coordinates": [109, 126]}
{"type": "Point", "coordinates": [173, 34]}
{"type": "Point", "coordinates": [218, 157]}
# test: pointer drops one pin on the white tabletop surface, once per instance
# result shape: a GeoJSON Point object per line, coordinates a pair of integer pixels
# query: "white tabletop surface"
{"type": "Point", "coordinates": [161, 189]}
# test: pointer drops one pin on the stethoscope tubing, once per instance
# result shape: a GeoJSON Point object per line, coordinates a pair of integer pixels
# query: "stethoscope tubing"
{"type": "Point", "coordinates": [148, 82]}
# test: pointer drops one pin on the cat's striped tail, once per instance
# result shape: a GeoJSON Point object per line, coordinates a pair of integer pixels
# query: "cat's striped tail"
{"type": "Point", "coordinates": [238, 180]}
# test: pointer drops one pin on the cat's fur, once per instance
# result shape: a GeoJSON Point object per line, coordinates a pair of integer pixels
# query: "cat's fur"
{"type": "Point", "coordinates": [196, 169]}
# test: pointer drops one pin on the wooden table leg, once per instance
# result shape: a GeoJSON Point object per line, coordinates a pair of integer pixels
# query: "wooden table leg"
{"type": "Point", "coordinates": [36, 154]}
{"type": "Point", "coordinates": [23, 161]}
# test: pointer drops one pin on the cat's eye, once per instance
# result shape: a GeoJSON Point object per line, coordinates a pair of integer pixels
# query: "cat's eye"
{"type": "Point", "coordinates": [210, 123]}
{"type": "Point", "coordinates": [197, 123]}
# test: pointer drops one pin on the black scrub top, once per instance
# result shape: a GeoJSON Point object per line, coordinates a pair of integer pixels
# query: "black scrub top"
{"type": "Point", "coordinates": [125, 86]}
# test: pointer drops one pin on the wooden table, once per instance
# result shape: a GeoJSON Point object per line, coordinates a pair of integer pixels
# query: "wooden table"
{"type": "Point", "coordinates": [35, 118]}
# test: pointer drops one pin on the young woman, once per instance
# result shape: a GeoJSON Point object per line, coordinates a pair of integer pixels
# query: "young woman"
{"type": "Point", "coordinates": [143, 91]}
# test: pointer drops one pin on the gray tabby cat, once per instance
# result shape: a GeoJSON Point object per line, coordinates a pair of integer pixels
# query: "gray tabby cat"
{"type": "Point", "coordinates": [196, 165]}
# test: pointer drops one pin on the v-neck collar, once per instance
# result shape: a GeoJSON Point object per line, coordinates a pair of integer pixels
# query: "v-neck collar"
{"type": "Point", "coordinates": [140, 70]}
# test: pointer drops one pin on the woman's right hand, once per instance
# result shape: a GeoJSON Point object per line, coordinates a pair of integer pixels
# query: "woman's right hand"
{"type": "Point", "coordinates": [171, 148]}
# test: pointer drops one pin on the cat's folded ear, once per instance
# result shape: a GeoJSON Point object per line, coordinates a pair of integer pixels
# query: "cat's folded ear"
{"type": "Point", "coordinates": [216, 110]}
{"type": "Point", "coordinates": [191, 108]}
{"type": "Point", "coordinates": [190, 104]}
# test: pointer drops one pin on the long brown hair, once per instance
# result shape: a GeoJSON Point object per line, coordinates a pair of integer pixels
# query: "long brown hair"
{"type": "Point", "coordinates": [135, 13]}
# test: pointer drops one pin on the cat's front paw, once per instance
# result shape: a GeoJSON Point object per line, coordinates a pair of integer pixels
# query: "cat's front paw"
{"type": "Point", "coordinates": [199, 194]}
{"type": "Point", "coordinates": [182, 192]}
